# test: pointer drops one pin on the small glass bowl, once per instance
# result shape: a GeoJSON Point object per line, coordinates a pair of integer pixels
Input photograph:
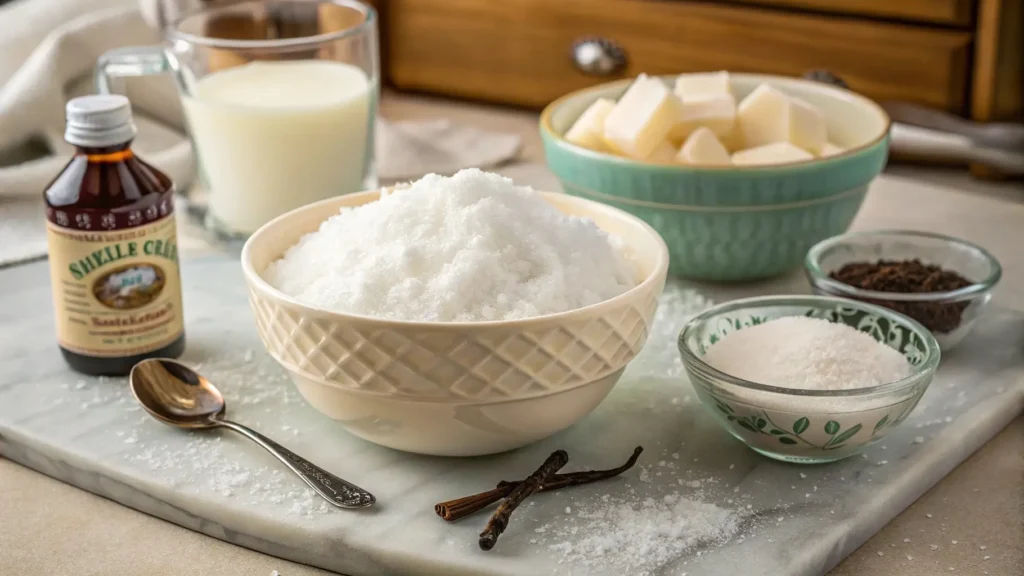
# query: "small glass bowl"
{"type": "Point", "coordinates": [808, 426]}
{"type": "Point", "coordinates": [949, 315]}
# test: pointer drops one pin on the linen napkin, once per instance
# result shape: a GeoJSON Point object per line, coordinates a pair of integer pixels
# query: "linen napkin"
{"type": "Point", "coordinates": [48, 50]}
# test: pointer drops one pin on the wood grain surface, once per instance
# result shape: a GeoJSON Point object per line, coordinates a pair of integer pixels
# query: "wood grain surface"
{"type": "Point", "coordinates": [946, 12]}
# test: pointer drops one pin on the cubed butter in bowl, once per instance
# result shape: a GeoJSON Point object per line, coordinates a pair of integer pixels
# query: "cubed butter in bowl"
{"type": "Point", "coordinates": [761, 167]}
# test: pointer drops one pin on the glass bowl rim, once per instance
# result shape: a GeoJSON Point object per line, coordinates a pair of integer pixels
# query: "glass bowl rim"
{"type": "Point", "coordinates": [926, 369]}
{"type": "Point", "coordinates": [281, 44]}
{"type": "Point", "coordinates": [819, 279]}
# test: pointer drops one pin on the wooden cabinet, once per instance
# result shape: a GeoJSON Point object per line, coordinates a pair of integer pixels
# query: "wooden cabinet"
{"type": "Point", "coordinates": [959, 55]}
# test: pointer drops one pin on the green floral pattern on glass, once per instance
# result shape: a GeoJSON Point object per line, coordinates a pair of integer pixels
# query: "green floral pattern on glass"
{"type": "Point", "coordinates": [760, 422]}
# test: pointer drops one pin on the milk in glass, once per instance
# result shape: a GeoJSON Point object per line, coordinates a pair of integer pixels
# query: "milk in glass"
{"type": "Point", "coordinates": [271, 136]}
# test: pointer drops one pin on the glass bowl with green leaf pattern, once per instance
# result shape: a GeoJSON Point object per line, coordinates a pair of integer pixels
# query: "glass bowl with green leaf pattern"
{"type": "Point", "coordinates": [799, 425]}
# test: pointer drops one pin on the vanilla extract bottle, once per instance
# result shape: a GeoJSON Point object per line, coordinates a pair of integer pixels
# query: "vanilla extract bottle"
{"type": "Point", "coordinates": [112, 246]}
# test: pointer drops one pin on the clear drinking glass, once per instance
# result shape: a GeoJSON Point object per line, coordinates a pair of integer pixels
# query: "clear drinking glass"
{"type": "Point", "coordinates": [280, 99]}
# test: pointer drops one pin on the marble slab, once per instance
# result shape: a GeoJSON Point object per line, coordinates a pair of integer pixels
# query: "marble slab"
{"type": "Point", "coordinates": [795, 520]}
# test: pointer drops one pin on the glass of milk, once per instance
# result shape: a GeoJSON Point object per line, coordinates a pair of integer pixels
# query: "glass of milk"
{"type": "Point", "coordinates": [280, 99]}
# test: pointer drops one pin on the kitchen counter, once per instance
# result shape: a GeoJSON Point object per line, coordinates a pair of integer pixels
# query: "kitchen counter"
{"type": "Point", "coordinates": [60, 529]}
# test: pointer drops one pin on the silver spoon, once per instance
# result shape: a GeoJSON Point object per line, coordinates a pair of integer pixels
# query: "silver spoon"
{"type": "Point", "coordinates": [175, 394]}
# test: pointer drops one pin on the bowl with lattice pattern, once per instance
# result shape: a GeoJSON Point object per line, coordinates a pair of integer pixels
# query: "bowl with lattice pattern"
{"type": "Point", "coordinates": [455, 388]}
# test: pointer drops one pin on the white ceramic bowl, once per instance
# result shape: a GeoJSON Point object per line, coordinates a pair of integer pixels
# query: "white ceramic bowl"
{"type": "Point", "coordinates": [454, 389]}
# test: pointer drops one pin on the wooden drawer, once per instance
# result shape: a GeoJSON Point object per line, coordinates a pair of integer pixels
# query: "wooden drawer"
{"type": "Point", "coordinates": [518, 51]}
{"type": "Point", "coordinates": [944, 12]}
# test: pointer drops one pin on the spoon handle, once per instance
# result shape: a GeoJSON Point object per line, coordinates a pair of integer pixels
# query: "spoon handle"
{"type": "Point", "coordinates": [335, 490]}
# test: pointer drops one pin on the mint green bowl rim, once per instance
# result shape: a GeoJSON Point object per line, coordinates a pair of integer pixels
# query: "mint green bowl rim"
{"type": "Point", "coordinates": [547, 130]}
{"type": "Point", "coordinates": [924, 370]}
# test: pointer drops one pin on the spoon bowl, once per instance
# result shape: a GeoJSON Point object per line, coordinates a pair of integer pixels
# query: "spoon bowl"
{"type": "Point", "coordinates": [177, 395]}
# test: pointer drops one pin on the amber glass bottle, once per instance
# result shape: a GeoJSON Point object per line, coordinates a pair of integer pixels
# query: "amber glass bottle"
{"type": "Point", "coordinates": [113, 250]}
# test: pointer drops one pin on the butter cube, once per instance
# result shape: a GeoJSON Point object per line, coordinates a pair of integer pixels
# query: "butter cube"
{"type": "Point", "coordinates": [806, 126]}
{"type": "Point", "coordinates": [703, 85]}
{"type": "Point", "coordinates": [702, 148]}
{"type": "Point", "coordinates": [763, 117]}
{"type": "Point", "coordinates": [642, 118]}
{"type": "Point", "coordinates": [588, 130]}
{"type": "Point", "coordinates": [774, 153]}
{"type": "Point", "coordinates": [767, 115]}
{"type": "Point", "coordinates": [716, 112]}
{"type": "Point", "coordinates": [830, 149]}
{"type": "Point", "coordinates": [664, 153]}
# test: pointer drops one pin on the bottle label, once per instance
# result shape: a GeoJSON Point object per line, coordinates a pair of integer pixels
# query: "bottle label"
{"type": "Point", "coordinates": [116, 292]}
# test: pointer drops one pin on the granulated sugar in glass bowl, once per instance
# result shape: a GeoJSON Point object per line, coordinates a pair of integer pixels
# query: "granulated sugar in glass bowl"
{"type": "Point", "coordinates": [472, 247]}
{"type": "Point", "coordinates": [807, 353]}
{"type": "Point", "coordinates": [818, 406]}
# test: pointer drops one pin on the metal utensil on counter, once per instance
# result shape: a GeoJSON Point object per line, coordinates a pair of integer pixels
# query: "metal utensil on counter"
{"type": "Point", "coordinates": [175, 394]}
{"type": "Point", "coordinates": [931, 134]}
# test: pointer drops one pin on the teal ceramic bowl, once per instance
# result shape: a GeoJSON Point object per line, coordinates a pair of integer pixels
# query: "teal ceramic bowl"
{"type": "Point", "coordinates": [808, 426]}
{"type": "Point", "coordinates": [732, 223]}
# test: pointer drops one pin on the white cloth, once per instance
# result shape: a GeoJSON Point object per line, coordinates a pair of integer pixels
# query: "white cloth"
{"type": "Point", "coordinates": [48, 50]}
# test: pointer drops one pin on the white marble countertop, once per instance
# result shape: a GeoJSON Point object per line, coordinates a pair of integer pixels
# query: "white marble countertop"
{"type": "Point", "coordinates": [97, 536]}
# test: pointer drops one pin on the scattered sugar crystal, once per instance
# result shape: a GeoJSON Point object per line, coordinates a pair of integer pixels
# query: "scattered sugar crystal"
{"type": "Point", "coordinates": [470, 247]}
{"type": "Point", "coordinates": [883, 462]}
{"type": "Point", "coordinates": [568, 510]}
{"type": "Point", "coordinates": [947, 420]}
{"type": "Point", "coordinates": [675, 455]}
{"type": "Point", "coordinates": [918, 439]}
{"type": "Point", "coordinates": [928, 515]}
{"type": "Point", "coordinates": [982, 547]}
{"type": "Point", "coordinates": [80, 384]}
{"type": "Point", "coordinates": [955, 541]}
{"type": "Point", "coordinates": [881, 553]}
{"type": "Point", "coordinates": [934, 546]}
{"type": "Point", "coordinates": [731, 466]}
{"type": "Point", "coordinates": [807, 353]}
{"type": "Point", "coordinates": [906, 540]}
{"type": "Point", "coordinates": [638, 535]}
{"type": "Point", "coordinates": [802, 475]}
{"type": "Point", "coordinates": [986, 557]}
{"type": "Point", "coordinates": [909, 557]}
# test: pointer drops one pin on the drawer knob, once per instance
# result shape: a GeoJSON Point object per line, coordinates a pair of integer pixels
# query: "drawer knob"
{"type": "Point", "coordinates": [825, 77]}
{"type": "Point", "coordinates": [598, 56]}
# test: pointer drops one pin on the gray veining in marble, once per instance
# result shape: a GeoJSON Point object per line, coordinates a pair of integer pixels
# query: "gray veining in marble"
{"type": "Point", "coordinates": [89, 433]}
